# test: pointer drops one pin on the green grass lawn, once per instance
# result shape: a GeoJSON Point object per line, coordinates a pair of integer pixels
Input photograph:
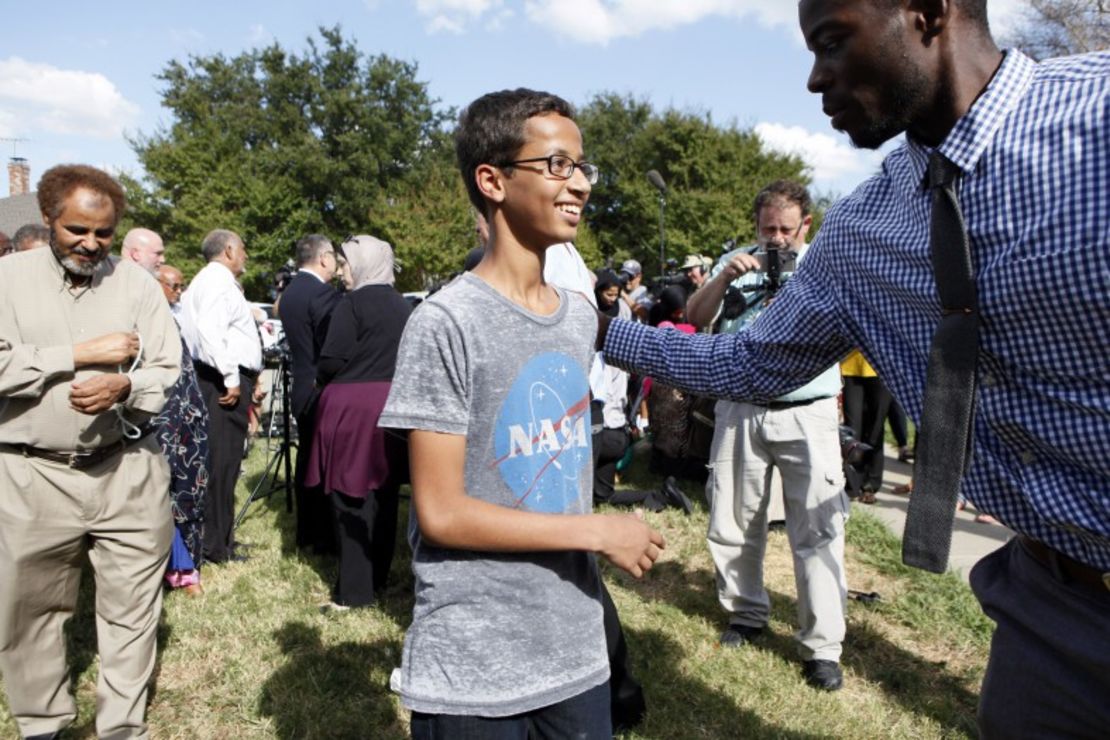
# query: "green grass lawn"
{"type": "Point", "coordinates": [255, 657]}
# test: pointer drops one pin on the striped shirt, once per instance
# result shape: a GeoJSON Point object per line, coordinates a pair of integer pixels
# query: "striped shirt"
{"type": "Point", "coordinates": [1034, 151]}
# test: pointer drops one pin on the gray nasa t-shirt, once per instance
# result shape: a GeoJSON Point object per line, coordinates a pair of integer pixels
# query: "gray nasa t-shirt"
{"type": "Point", "coordinates": [495, 634]}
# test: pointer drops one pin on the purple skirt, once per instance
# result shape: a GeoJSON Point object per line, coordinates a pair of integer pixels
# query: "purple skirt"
{"type": "Point", "coordinates": [350, 454]}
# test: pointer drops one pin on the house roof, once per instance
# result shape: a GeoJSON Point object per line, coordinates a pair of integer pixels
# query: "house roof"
{"type": "Point", "coordinates": [18, 210]}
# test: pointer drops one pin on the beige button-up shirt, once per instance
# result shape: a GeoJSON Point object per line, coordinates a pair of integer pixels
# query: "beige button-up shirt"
{"type": "Point", "coordinates": [41, 321]}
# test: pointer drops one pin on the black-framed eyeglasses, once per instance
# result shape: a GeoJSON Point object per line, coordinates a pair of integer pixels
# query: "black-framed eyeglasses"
{"type": "Point", "coordinates": [562, 167]}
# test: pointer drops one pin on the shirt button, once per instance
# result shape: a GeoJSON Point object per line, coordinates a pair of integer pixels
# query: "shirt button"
{"type": "Point", "coordinates": [1027, 458]}
{"type": "Point", "coordinates": [989, 380]}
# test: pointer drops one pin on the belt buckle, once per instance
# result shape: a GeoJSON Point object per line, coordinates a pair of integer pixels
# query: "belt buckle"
{"type": "Point", "coordinates": [77, 459]}
{"type": "Point", "coordinates": [1106, 580]}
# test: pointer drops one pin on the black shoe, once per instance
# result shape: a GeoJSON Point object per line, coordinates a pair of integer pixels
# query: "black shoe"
{"type": "Point", "coordinates": [238, 557]}
{"type": "Point", "coordinates": [675, 497]}
{"type": "Point", "coordinates": [779, 525]}
{"type": "Point", "coordinates": [738, 635]}
{"type": "Point", "coordinates": [823, 674]}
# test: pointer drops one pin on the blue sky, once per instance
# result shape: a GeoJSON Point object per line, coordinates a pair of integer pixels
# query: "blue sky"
{"type": "Point", "coordinates": [75, 80]}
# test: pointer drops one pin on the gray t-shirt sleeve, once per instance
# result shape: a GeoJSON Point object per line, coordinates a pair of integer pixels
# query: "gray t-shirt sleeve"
{"type": "Point", "coordinates": [431, 386]}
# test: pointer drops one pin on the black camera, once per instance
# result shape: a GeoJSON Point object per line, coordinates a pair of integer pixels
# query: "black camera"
{"type": "Point", "coordinates": [735, 303]}
{"type": "Point", "coordinates": [277, 353]}
{"type": "Point", "coordinates": [852, 451]}
{"type": "Point", "coordinates": [776, 265]}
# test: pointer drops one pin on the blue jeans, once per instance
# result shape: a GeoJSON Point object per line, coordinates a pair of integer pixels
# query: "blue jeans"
{"type": "Point", "coordinates": [582, 717]}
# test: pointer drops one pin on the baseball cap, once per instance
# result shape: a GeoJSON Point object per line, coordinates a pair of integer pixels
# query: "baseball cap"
{"type": "Point", "coordinates": [632, 267]}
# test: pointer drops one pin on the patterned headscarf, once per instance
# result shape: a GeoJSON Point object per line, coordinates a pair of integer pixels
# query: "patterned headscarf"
{"type": "Point", "coordinates": [369, 259]}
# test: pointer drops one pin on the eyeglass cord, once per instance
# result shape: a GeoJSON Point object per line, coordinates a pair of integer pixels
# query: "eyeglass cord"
{"type": "Point", "coordinates": [130, 431]}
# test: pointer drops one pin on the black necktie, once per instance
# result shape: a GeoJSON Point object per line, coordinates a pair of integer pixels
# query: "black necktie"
{"type": "Point", "coordinates": [944, 439]}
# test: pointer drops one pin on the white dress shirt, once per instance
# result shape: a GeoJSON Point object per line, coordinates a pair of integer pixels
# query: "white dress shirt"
{"type": "Point", "coordinates": [563, 266]}
{"type": "Point", "coordinates": [217, 324]}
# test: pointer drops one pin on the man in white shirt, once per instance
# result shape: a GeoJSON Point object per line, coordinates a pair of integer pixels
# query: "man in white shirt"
{"type": "Point", "coordinates": [222, 337]}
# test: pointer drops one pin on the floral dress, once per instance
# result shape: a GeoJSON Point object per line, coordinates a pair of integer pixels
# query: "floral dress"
{"type": "Point", "coordinates": [182, 432]}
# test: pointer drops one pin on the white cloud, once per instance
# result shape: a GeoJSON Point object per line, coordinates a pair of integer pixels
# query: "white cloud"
{"type": "Point", "coordinates": [64, 101]}
{"type": "Point", "coordinates": [453, 16]}
{"type": "Point", "coordinates": [600, 21]}
{"type": "Point", "coordinates": [499, 20]}
{"type": "Point", "coordinates": [831, 160]}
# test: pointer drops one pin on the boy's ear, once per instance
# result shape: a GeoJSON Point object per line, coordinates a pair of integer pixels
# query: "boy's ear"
{"type": "Point", "coordinates": [490, 181]}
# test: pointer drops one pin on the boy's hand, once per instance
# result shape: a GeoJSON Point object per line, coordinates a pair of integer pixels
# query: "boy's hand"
{"type": "Point", "coordinates": [629, 543]}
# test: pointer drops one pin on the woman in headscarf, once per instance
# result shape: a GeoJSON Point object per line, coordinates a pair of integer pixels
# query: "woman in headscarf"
{"type": "Point", "coordinates": [360, 465]}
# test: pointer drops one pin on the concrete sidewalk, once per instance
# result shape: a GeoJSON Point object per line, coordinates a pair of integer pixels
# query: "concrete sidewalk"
{"type": "Point", "coordinates": [971, 540]}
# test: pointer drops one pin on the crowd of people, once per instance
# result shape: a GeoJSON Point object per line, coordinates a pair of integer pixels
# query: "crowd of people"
{"type": "Point", "coordinates": [510, 400]}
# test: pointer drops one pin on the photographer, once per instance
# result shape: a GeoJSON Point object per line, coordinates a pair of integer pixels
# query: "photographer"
{"type": "Point", "coordinates": [633, 291]}
{"type": "Point", "coordinates": [797, 433]}
{"type": "Point", "coordinates": [695, 270]}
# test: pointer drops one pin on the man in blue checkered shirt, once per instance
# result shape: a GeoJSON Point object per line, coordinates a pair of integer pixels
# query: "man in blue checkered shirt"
{"type": "Point", "coordinates": [1032, 142]}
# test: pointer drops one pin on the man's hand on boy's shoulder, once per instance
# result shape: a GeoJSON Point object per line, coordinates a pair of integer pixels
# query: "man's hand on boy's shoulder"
{"type": "Point", "coordinates": [629, 543]}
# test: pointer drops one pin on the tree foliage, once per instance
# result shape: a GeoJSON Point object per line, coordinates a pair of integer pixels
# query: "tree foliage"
{"type": "Point", "coordinates": [1052, 28]}
{"type": "Point", "coordinates": [712, 175]}
{"type": "Point", "coordinates": [275, 145]}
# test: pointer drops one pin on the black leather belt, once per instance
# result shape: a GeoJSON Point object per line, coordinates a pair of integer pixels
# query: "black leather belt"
{"type": "Point", "coordinates": [1065, 568]}
{"type": "Point", "coordinates": [779, 405]}
{"type": "Point", "coordinates": [250, 374]}
{"type": "Point", "coordinates": [80, 459]}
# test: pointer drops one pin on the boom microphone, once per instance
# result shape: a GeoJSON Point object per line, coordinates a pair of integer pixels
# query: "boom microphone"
{"type": "Point", "coordinates": [656, 179]}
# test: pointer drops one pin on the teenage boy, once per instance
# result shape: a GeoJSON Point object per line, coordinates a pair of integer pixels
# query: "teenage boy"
{"type": "Point", "coordinates": [507, 635]}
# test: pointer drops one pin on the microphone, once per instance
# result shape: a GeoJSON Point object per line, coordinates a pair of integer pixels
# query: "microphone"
{"type": "Point", "coordinates": [656, 180]}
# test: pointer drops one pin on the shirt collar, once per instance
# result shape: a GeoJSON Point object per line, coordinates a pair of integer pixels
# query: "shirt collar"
{"type": "Point", "coordinates": [975, 130]}
{"type": "Point", "coordinates": [106, 266]}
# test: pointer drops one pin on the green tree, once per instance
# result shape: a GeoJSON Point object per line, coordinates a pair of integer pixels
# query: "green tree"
{"type": "Point", "coordinates": [428, 219]}
{"type": "Point", "coordinates": [275, 145]}
{"type": "Point", "coordinates": [712, 173]}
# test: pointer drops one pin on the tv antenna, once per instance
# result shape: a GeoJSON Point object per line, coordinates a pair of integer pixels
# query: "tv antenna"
{"type": "Point", "coordinates": [14, 142]}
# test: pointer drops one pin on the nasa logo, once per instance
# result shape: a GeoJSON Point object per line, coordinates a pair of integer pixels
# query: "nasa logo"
{"type": "Point", "coordinates": [542, 438]}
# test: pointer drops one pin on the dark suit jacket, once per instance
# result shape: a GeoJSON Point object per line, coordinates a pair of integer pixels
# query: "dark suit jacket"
{"type": "Point", "coordinates": [305, 309]}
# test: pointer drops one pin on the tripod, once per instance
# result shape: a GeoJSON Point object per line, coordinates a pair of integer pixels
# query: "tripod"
{"type": "Point", "coordinates": [282, 458]}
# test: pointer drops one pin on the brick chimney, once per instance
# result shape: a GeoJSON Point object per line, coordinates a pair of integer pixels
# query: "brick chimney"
{"type": "Point", "coordinates": [19, 176]}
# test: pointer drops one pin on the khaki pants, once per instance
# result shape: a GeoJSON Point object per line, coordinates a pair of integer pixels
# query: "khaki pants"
{"type": "Point", "coordinates": [804, 445]}
{"type": "Point", "coordinates": [50, 515]}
